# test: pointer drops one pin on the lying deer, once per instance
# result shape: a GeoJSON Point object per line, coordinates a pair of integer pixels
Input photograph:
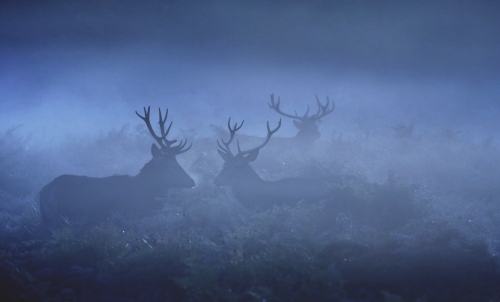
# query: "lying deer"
{"type": "Point", "coordinates": [82, 199]}
{"type": "Point", "coordinates": [256, 193]}
{"type": "Point", "coordinates": [307, 125]}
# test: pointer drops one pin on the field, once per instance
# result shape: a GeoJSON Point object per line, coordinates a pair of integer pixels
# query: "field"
{"type": "Point", "coordinates": [419, 223]}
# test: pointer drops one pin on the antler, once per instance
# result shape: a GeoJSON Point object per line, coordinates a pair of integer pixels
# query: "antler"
{"type": "Point", "coordinates": [322, 110]}
{"type": "Point", "coordinates": [233, 130]}
{"type": "Point", "coordinates": [269, 134]}
{"type": "Point", "coordinates": [276, 107]}
{"type": "Point", "coordinates": [162, 127]}
{"type": "Point", "coordinates": [159, 139]}
{"type": "Point", "coordinates": [175, 149]}
{"type": "Point", "coordinates": [165, 144]}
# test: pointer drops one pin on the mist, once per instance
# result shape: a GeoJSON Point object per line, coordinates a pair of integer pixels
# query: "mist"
{"type": "Point", "coordinates": [416, 92]}
{"type": "Point", "coordinates": [86, 67]}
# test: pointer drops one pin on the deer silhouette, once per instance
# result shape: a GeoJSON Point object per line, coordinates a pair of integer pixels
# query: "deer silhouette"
{"type": "Point", "coordinates": [251, 190]}
{"type": "Point", "coordinates": [307, 125]}
{"type": "Point", "coordinates": [88, 200]}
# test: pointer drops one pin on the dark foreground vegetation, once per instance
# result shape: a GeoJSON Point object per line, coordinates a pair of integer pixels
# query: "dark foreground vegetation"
{"type": "Point", "coordinates": [420, 224]}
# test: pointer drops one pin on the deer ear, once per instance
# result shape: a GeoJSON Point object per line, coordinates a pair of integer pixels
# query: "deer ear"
{"type": "Point", "coordinates": [224, 156]}
{"type": "Point", "coordinates": [297, 124]}
{"type": "Point", "coordinates": [252, 156]}
{"type": "Point", "coordinates": [155, 151]}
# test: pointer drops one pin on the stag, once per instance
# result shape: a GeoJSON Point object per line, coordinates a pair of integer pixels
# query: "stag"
{"type": "Point", "coordinates": [307, 125]}
{"type": "Point", "coordinates": [89, 200]}
{"type": "Point", "coordinates": [252, 191]}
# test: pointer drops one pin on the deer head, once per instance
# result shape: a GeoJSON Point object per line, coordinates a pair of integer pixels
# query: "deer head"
{"type": "Point", "coordinates": [307, 125]}
{"type": "Point", "coordinates": [164, 166]}
{"type": "Point", "coordinates": [236, 167]}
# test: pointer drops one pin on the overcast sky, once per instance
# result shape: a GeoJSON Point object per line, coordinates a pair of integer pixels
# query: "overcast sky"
{"type": "Point", "coordinates": [82, 67]}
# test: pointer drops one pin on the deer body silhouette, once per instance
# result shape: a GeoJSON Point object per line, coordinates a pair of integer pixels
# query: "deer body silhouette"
{"type": "Point", "coordinates": [252, 191]}
{"type": "Point", "coordinates": [81, 199]}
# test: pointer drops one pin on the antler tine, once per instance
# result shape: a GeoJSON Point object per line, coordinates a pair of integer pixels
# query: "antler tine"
{"type": "Point", "coordinates": [232, 131]}
{"type": "Point", "coordinates": [276, 107]}
{"type": "Point", "coordinates": [238, 144]}
{"type": "Point", "coordinates": [145, 118]}
{"type": "Point", "coordinates": [178, 149]}
{"type": "Point", "coordinates": [162, 128]}
{"type": "Point", "coordinates": [323, 110]}
{"type": "Point", "coordinates": [224, 149]}
{"type": "Point", "coordinates": [307, 112]}
{"type": "Point", "coordinates": [269, 134]}
{"type": "Point", "coordinates": [182, 151]}
{"type": "Point", "coordinates": [317, 113]}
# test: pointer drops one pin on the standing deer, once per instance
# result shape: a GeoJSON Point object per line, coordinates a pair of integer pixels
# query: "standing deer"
{"type": "Point", "coordinates": [90, 200]}
{"type": "Point", "coordinates": [307, 125]}
{"type": "Point", "coordinates": [256, 193]}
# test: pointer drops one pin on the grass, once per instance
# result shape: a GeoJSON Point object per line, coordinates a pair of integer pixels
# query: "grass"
{"type": "Point", "coordinates": [420, 234]}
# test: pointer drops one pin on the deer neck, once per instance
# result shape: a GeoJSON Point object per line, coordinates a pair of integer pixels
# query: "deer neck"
{"type": "Point", "coordinates": [150, 183]}
{"type": "Point", "coordinates": [249, 178]}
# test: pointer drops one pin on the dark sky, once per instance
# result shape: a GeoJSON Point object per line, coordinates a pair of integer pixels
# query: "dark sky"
{"type": "Point", "coordinates": [85, 66]}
